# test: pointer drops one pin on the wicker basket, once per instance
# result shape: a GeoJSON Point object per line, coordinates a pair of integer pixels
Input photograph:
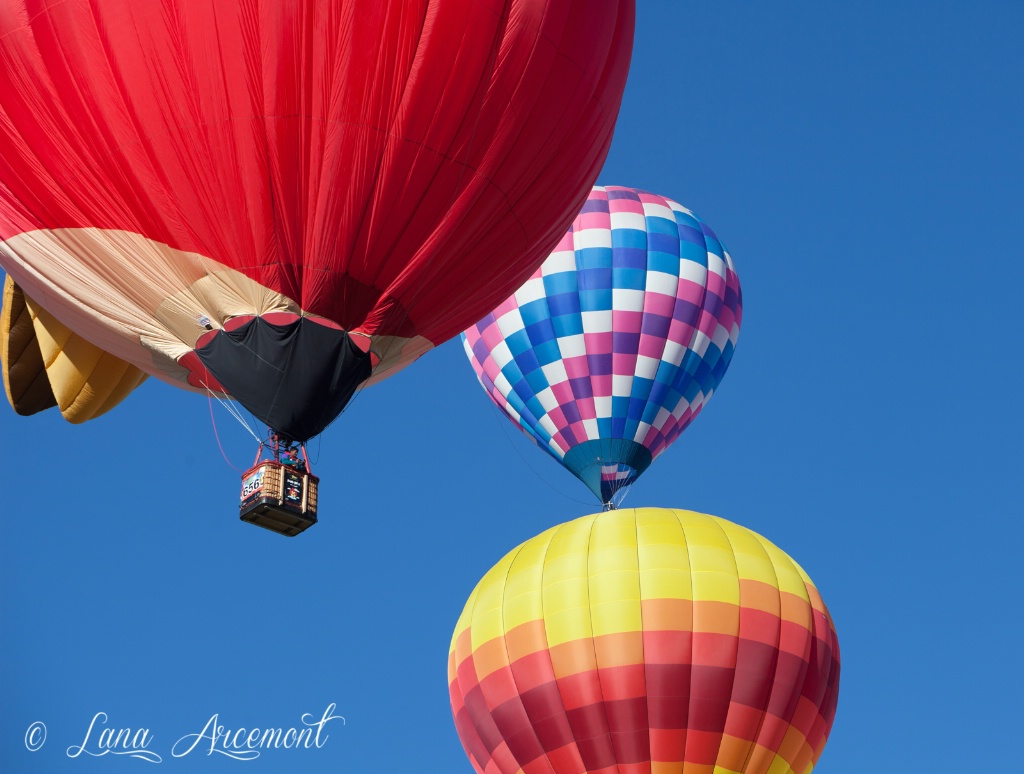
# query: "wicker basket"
{"type": "Point", "coordinates": [279, 497]}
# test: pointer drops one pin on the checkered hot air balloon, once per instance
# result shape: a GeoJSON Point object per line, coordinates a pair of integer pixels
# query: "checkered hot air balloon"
{"type": "Point", "coordinates": [644, 641]}
{"type": "Point", "coordinates": [616, 343]}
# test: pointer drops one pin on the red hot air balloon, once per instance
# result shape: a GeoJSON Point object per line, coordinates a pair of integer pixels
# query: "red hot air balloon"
{"type": "Point", "coordinates": [283, 201]}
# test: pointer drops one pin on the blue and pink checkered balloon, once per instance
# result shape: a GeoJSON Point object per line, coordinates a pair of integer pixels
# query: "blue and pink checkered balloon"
{"type": "Point", "coordinates": [615, 344]}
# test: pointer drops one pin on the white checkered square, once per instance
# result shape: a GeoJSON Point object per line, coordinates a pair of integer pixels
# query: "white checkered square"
{"type": "Point", "coordinates": [555, 372]}
{"type": "Point", "coordinates": [631, 220]}
{"type": "Point", "coordinates": [572, 346]}
{"type": "Point", "coordinates": [674, 352]}
{"type": "Point", "coordinates": [548, 426]}
{"type": "Point", "coordinates": [692, 271]}
{"type": "Point", "coordinates": [641, 432]}
{"type": "Point", "coordinates": [624, 300]}
{"type": "Point", "coordinates": [647, 367]}
{"type": "Point", "coordinates": [716, 265]}
{"type": "Point", "coordinates": [533, 290]}
{"type": "Point", "coordinates": [597, 322]}
{"type": "Point", "coordinates": [677, 207]}
{"type": "Point", "coordinates": [734, 334]}
{"type": "Point", "coordinates": [661, 418]}
{"type": "Point", "coordinates": [510, 322]}
{"type": "Point", "coordinates": [693, 406]}
{"type": "Point", "coordinates": [655, 210]}
{"type": "Point", "coordinates": [622, 385]}
{"type": "Point", "coordinates": [662, 283]}
{"type": "Point", "coordinates": [556, 263]}
{"type": "Point", "coordinates": [700, 343]}
{"type": "Point", "coordinates": [502, 355]}
{"type": "Point", "coordinates": [504, 387]}
{"type": "Point", "coordinates": [547, 399]}
{"type": "Point", "coordinates": [721, 337]}
{"type": "Point", "coordinates": [592, 237]}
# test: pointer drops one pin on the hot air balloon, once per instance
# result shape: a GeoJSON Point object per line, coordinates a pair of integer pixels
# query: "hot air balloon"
{"type": "Point", "coordinates": [617, 341]}
{"type": "Point", "coordinates": [284, 201]}
{"type": "Point", "coordinates": [646, 640]}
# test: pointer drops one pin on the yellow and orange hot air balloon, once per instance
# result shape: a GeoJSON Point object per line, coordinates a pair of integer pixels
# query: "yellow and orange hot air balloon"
{"type": "Point", "coordinates": [644, 640]}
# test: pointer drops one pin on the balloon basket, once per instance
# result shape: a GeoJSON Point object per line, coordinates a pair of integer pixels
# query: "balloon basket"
{"type": "Point", "coordinates": [279, 497]}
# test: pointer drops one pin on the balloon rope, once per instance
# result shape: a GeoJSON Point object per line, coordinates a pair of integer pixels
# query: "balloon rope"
{"type": "Point", "coordinates": [213, 422]}
{"type": "Point", "coordinates": [210, 394]}
{"type": "Point", "coordinates": [238, 416]}
{"type": "Point", "coordinates": [501, 419]}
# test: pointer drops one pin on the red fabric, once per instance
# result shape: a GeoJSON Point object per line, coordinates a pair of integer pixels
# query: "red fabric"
{"type": "Point", "coordinates": [682, 708]}
{"type": "Point", "coordinates": [396, 167]}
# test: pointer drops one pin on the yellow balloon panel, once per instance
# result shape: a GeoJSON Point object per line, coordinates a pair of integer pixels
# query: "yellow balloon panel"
{"type": "Point", "coordinates": [47, 364]}
{"type": "Point", "coordinates": [25, 382]}
{"type": "Point", "coordinates": [86, 380]}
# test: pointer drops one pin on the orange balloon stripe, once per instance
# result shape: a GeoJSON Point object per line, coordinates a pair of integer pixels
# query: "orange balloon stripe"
{"type": "Point", "coordinates": [776, 618]}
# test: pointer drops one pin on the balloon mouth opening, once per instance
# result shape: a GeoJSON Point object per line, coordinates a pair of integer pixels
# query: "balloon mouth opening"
{"type": "Point", "coordinates": [295, 374]}
{"type": "Point", "coordinates": [616, 481]}
{"type": "Point", "coordinates": [608, 467]}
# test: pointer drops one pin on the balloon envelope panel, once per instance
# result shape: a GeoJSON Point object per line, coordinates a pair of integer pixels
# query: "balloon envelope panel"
{"type": "Point", "coordinates": [617, 342]}
{"type": "Point", "coordinates": [644, 640]}
{"type": "Point", "coordinates": [45, 365]}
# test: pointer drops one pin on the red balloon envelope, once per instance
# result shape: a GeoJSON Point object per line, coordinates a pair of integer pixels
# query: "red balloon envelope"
{"type": "Point", "coordinates": [284, 200]}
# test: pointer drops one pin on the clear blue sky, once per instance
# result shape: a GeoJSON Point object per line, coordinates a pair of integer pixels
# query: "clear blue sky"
{"type": "Point", "coordinates": [864, 164]}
